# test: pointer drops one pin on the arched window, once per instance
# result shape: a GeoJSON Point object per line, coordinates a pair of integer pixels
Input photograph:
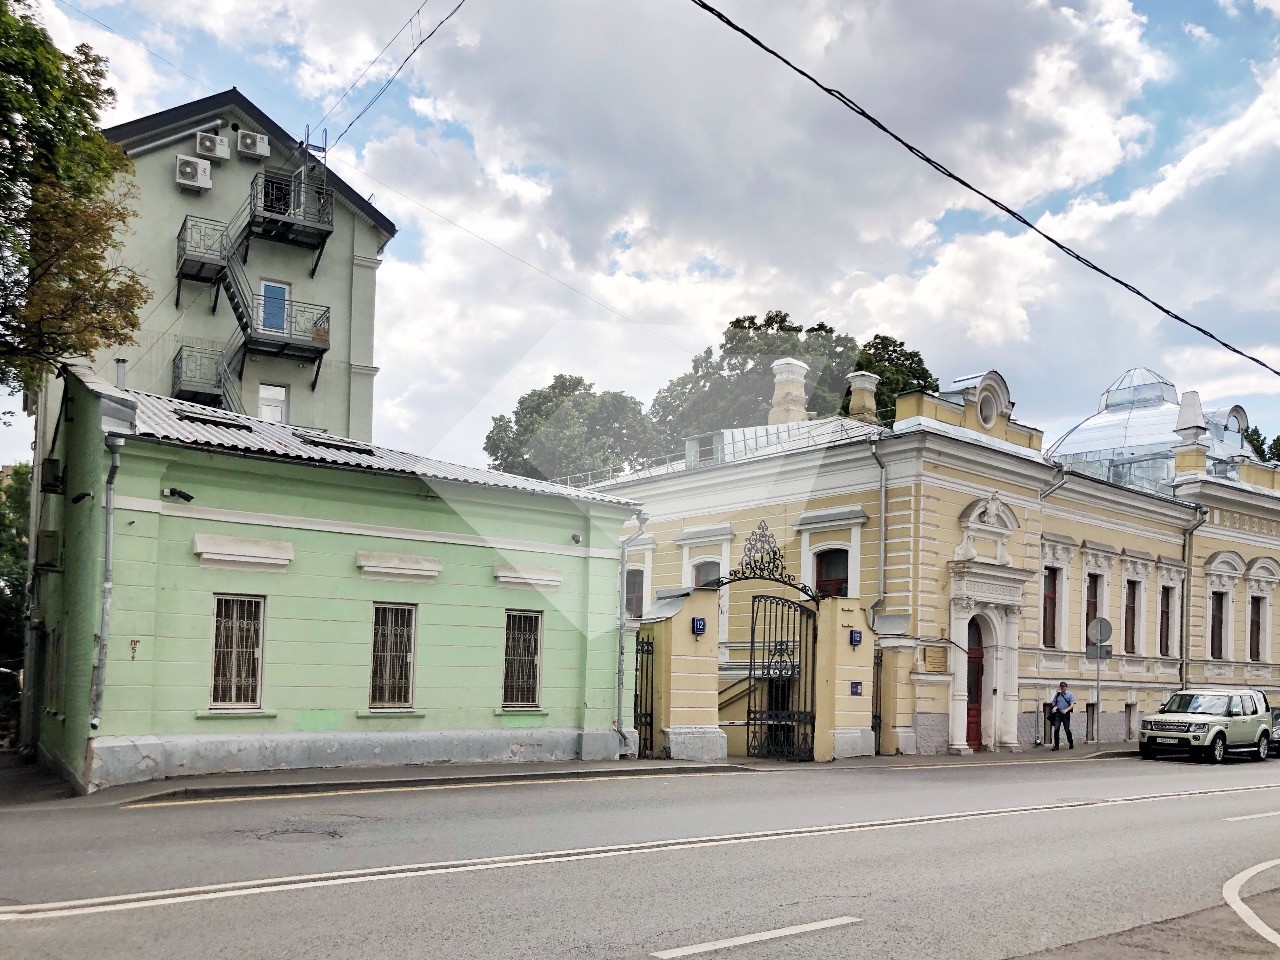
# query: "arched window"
{"type": "Point", "coordinates": [705, 572]}
{"type": "Point", "coordinates": [832, 573]}
{"type": "Point", "coordinates": [635, 593]}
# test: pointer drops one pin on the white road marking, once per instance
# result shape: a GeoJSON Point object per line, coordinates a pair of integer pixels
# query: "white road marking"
{"type": "Point", "coordinates": [244, 888]}
{"type": "Point", "coordinates": [1252, 816]}
{"type": "Point", "coordinates": [753, 938]}
{"type": "Point", "coordinates": [1231, 893]}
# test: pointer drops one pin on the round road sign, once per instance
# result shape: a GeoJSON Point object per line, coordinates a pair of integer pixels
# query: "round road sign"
{"type": "Point", "coordinates": [1099, 630]}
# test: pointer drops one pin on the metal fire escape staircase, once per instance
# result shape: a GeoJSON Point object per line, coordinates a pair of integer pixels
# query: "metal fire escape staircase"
{"type": "Point", "coordinates": [294, 209]}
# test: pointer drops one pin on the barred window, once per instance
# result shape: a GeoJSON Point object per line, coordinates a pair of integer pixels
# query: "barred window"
{"type": "Point", "coordinates": [393, 642]}
{"type": "Point", "coordinates": [520, 668]}
{"type": "Point", "coordinates": [237, 651]}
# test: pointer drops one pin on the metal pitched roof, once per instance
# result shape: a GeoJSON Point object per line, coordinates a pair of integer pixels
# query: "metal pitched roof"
{"type": "Point", "coordinates": [183, 422]}
{"type": "Point", "coordinates": [158, 124]}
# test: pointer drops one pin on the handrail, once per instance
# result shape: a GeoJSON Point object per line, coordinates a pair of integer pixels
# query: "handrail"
{"type": "Point", "coordinates": [202, 235]}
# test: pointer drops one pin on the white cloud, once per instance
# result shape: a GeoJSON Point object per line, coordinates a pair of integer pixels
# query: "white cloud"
{"type": "Point", "coordinates": [1199, 33]}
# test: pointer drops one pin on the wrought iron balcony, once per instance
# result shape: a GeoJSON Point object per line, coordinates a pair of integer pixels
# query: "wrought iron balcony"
{"type": "Point", "coordinates": [288, 328]}
{"type": "Point", "coordinates": [202, 249]}
{"type": "Point", "coordinates": [290, 208]}
{"type": "Point", "coordinates": [197, 374]}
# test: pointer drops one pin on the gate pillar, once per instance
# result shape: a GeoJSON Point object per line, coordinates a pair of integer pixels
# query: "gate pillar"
{"type": "Point", "coordinates": [845, 686]}
{"type": "Point", "coordinates": [686, 675]}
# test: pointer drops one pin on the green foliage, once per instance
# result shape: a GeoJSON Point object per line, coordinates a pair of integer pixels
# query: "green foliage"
{"type": "Point", "coordinates": [65, 200]}
{"type": "Point", "coordinates": [15, 502]}
{"type": "Point", "coordinates": [1267, 452]}
{"type": "Point", "coordinates": [900, 370]}
{"type": "Point", "coordinates": [566, 428]}
{"type": "Point", "coordinates": [733, 386]}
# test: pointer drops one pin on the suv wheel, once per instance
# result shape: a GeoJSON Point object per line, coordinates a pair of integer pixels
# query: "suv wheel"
{"type": "Point", "coordinates": [1264, 747]}
{"type": "Point", "coordinates": [1217, 751]}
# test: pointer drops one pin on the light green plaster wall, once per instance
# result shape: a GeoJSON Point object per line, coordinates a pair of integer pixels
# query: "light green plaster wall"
{"type": "Point", "coordinates": [69, 601]}
{"type": "Point", "coordinates": [319, 611]}
{"type": "Point", "coordinates": [342, 401]}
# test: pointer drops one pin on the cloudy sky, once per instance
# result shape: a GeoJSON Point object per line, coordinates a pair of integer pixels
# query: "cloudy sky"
{"type": "Point", "coordinates": [598, 186]}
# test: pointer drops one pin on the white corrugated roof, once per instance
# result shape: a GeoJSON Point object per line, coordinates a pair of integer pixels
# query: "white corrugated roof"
{"type": "Point", "coordinates": [179, 421]}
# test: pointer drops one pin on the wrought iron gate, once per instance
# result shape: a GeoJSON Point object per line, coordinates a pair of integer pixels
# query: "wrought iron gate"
{"type": "Point", "coordinates": [644, 695]}
{"type": "Point", "coordinates": [780, 704]}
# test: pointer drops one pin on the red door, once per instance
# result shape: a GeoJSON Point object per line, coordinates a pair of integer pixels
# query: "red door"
{"type": "Point", "coordinates": [974, 730]}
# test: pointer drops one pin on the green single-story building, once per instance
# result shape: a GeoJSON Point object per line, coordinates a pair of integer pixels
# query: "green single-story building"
{"type": "Point", "coordinates": [213, 592]}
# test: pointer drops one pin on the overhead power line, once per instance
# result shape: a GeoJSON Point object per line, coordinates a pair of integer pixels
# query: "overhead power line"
{"type": "Point", "coordinates": [392, 79]}
{"type": "Point", "coordinates": [1003, 207]}
{"type": "Point", "coordinates": [369, 66]}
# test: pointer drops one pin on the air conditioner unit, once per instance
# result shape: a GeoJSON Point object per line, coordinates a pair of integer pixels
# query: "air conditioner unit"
{"type": "Point", "coordinates": [193, 174]}
{"type": "Point", "coordinates": [212, 147]}
{"type": "Point", "coordinates": [252, 146]}
{"type": "Point", "coordinates": [48, 550]}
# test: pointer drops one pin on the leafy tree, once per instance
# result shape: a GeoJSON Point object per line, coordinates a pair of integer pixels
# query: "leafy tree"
{"type": "Point", "coordinates": [65, 195]}
{"type": "Point", "coordinates": [733, 386]}
{"type": "Point", "coordinates": [566, 428]}
{"type": "Point", "coordinates": [1253, 436]}
{"type": "Point", "coordinates": [1273, 451]}
{"type": "Point", "coordinates": [899, 370]}
{"type": "Point", "coordinates": [15, 503]}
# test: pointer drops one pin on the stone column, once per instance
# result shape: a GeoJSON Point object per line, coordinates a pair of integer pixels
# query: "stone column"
{"type": "Point", "coordinates": [1007, 734]}
{"type": "Point", "coordinates": [961, 611]}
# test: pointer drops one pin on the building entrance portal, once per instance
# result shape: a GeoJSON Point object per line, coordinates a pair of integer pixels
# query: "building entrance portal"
{"type": "Point", "coordinates": [973, 728]}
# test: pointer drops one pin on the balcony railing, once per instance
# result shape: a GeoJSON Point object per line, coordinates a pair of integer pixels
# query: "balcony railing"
{"type": "Point", "coordinates": [197, 373]}
{"type": "Point", "coordinates": [291, 320]}
{"type": "Point", "coordinates": [202, 248]}
{"type": "Point", "coordinates": [290, 209]}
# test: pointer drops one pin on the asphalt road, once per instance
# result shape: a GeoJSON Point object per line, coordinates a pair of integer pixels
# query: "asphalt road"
{"type": "Point", "coordinates": [979, 861]}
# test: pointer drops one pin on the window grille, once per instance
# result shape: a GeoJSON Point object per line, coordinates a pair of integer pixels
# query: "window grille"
{"type": "Point", "coordinates": [237, 651]}
{"type": "Point", "coordinates": [393, 635]}
{"type": "Point", "coordinates": [520, 668]}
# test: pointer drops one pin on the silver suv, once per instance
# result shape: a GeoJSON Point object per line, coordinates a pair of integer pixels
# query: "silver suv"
{"type": "Point", "coordinates": [1209, 724]}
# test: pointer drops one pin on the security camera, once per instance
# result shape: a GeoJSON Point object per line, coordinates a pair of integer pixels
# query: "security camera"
{"type": "Point", "coordinates": [179, 494]}
{"type": "Point", "coordinates": [576, 538]}
{"type": "Point", "coordinates": [95, 723]}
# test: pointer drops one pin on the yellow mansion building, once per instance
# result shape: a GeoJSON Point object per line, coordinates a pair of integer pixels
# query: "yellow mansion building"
{"type": "Point", "coordinates": [977, 558]}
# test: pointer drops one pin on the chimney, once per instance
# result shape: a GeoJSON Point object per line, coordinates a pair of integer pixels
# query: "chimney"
{"type": "Point", "coordinates": [1191, 424]}
{"type": "Point", "coordinates": [122, 377]}
{"type": "Point", "coordinates": [788, 392]}
{"type": "Point", "coordinates": [862, 396]}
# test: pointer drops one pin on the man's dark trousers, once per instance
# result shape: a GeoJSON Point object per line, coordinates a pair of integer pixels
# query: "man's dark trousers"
{"type": "Point", "coordinates": [1061, 720]}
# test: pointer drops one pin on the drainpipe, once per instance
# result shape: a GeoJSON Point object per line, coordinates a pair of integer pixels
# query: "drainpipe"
{"type": "Point", "coordinates": [1184, 661]}
{"type": "Point", "coordinates": [1054, 487]}
{"type": "Point", "coordinates": [875, 607]}
{"type": "Point", "coordinates": [641, 519]}
{"type": "Point", "coordinates": [104, 629]}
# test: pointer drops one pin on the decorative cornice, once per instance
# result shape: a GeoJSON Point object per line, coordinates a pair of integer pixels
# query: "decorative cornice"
{"type": "Point", "coordinates": [527, 577]}
{"type": "Point", "coordinates": [371, 263]}
{"type": "Point", "coordinates": [1056, 553]}
{"type": "Point", "coordinates": [364, 368]}
{"type": "Point", "coordinates": [398, 566]}
{"type": "Point", "coordinates": [239, 553]}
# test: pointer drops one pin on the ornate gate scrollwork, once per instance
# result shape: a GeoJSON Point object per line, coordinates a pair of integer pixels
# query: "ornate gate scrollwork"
{"type": "Point", "coordinates": [762, 560]}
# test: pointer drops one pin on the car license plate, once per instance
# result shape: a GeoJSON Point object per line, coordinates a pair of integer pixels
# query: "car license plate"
{"type": "Point", "coordinates": [1169, 740]}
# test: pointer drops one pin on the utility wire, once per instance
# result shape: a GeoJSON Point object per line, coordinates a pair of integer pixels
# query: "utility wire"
{"type": "Point", "coordinates": [392, 79]}
{"type": "Point", "coordinates": [369, 65]}
{"type": "Point", "coordinates": [1004, 208]}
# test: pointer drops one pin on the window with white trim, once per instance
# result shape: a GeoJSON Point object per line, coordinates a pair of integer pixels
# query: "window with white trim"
{"type": "Point", "coordinates": [706, 572]}
{"type": "Point", "coordinates": [1167, 601]}
{"type": "Point", "coordinates": [1049, 614]}
{"type": "Point", "coordinates": [237, 652]}
{"type": "Point", "coordinates": [635, 593]}
{"type": "Point", "coordinates": [521, 658]}
{"type": "Point", "coordinates": [273, 402]}
{"type": "Point", "coordinates": [1217, 624]}
{"type": "Point", "coordinates": [832, 572]}
{"type": "Point", "coordinates": [1132, 611]}
{"type": "Point", "coordinates": [391, 675]}
{"type": "Point", "coordinates": [1257, 623]}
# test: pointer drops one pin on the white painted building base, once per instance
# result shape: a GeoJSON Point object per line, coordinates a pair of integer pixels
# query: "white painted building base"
{"type": "Point", "coordinates": [854, 742]}
{"type": "Point", "coordinates": [119, 760]}
{"type": "Point", "coordinates": [707, 744]}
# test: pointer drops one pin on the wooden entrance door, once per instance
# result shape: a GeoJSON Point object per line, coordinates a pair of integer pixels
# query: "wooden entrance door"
{"type": "Point", "coordinates": [974, 728]}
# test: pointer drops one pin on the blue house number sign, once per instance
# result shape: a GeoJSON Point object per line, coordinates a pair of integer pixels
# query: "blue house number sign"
{"type": "Point", "coordinates": [699, 626]}
{"type": "Point", "coordinates": [855, 638]}
{"type": "Point", "coordinates": [855, 688]}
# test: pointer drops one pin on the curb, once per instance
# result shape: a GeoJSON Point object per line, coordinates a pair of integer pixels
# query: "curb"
{"type": "Point", "coordinates": [241, 791]}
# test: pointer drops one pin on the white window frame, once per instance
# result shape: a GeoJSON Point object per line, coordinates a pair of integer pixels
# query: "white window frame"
{"type": "Point", "coordinates": [639, 556]}
{"type": "Point", "coordinates": [1175, 578]}
{"type": "Point", "coordinates": [284, 405]}
{"type": "Point", "coordinates": [1058, 554]}
{"type": "Point", "coordinates": [808, 551]}
{"type": "Point", "coordinates": [1060, 613]}
{"type": "Point", "coordinates": [1097, 561]}
{"type": "Point", "coordinates": [260, 654]}
{"type": "Point", "coordinates": [506, 620]}
{"type": "Point", "coordinates": [411, 667]}
{"type": "Point", "coordinates": [288, 297]}
{"type": "Point", "coordinates": [824, 548]}
{"type": "Point", "coordinates": [696, 562]}
{"type": "Point", "coordinates": [1224, 571]}
{"type": "Point", "coordinates": [644, 591]}
{"type": "Point", "coordinates": [1263, 573]}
